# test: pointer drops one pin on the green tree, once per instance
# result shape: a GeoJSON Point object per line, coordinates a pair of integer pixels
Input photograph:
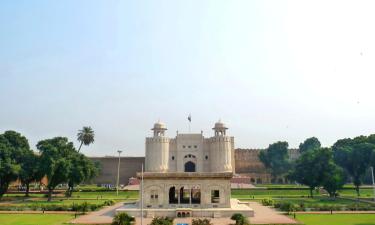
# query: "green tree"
{"type": "Point", "coordinates": [312, 168]}
{"type": "Point", "coordinates": [123, 219]}
{"type": "Point", "coordinates": [354, 155]}
{"type": "Point", "coordinates": [162, 221]}
{"type": "Point", "coordinates": [56, 154]}
{"type": "Point", "coordinates": [12, 147]}
{"type": "Point", "coordinates": [309, 144]}
{"type": "Point", "coordinates": [30, 169]}
{"type": "Point", "coordinates": [240, 219]}
{"type": "Point", "coordinates": [334, 179]}
{"type": "Point", "coordinates": [85, 136]}
{"type": "Point", "coordinates": [276, 158]}
{"type": "Point", "coordinates": [82, 169]}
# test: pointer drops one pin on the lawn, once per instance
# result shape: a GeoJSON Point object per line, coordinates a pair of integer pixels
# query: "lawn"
{"type": "Point", "coordinates": [33, 219]}
{"type": "Point", "coordinates": [337, 219]}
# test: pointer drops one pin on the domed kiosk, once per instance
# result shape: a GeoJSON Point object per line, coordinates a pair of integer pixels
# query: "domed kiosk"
{"type": "Point", "coordinates": [188, 175]}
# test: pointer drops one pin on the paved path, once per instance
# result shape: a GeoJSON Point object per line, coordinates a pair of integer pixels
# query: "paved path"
{"type": "Point", "coordinates": [267, 215]}
{"type": "Point", "coordinates": [337, 212]}
{"type": "Point", "coordinates": [103, 216]}
{"type": "Point", "coordinates": [36, 212]}
{"type": "Point", "coordinates": [263, 215]}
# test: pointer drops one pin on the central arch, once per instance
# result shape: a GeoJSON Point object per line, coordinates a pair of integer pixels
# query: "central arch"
{"type": "Point", "coordinates": [190, 167]}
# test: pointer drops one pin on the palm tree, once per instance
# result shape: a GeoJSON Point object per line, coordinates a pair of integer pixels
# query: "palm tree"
{"type": "Point", "coordinates": [85, 136]}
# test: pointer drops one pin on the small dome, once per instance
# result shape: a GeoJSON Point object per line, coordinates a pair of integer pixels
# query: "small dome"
{"type": "Point", "coordinates": [219, 126]}
{"type": "Point", "coordinates": [159, 126]}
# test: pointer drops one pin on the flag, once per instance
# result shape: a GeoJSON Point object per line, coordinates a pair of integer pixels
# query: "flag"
{"type": "Point", "coordinates": [189, 117]}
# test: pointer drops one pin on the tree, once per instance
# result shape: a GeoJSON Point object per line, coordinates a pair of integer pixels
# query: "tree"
{"type": "Point", "coordinates": [85, 136]}
{"type": "Point", "coordinates": [309, 144]}
{"type": "Point", "coordinates": [30, 169]}
{"type": "Point", "coordinates": [162, 221]}
{"type": "Point", "coordinates": [354, 155]}
{"type": "Point", "coordinates": [12, 147]}
{"type": "Point", "coordinates": [334, 179]}
{"type": "Point", "coordinates": [276, 159]}
{"type": "Point", "coordinates": [82, 169]}
{"type": "Point", "coordinates": [240, 219]}
{"type": "Point", "coordinates": [312, 168]}
{"type": "Point", "coordinates": [122, 219]}
{"type": "Point", "coordinates": [56, 162]}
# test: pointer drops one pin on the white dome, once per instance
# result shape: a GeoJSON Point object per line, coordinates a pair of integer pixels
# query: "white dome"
{"type": "Point", "coordinates": [159, 126]}
{"type": "Point", "coordinates": [219, 126]}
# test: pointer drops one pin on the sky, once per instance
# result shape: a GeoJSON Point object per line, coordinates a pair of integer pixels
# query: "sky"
{"type": "Point", "coordinates": [271, 70]}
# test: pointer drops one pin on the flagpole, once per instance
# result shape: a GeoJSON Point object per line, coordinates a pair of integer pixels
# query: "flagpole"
{"type": "Point", "coordinates": [189, 119]}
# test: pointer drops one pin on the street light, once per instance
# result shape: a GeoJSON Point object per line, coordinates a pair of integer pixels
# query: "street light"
{"type": "Point", "coordinates": [118, 171]}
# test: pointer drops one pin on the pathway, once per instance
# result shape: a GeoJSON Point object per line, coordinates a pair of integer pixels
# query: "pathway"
{"type": "Point", "coordinates": [263, 215]}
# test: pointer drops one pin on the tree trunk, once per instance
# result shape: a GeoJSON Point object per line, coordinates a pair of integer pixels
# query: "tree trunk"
{"type": "Point", "coordinates": [70, 190]}
{"type": "Point", "coordinates": [50, 194]}
{"type": "Point", "coordinates": [79, 149]}
{"type": "Point", "coordinates": [311, 192]}
{"type": "Point", "coordinates": [357, 190]}
{"type": "Point", "coordinates": [27, 189]}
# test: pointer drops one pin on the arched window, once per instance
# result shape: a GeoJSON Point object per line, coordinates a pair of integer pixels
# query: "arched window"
{"type": "Point", "coordinates": [190, 167]}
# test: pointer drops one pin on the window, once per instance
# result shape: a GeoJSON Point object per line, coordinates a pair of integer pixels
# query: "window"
{"type": "Point", "coordinates": [154, 196]}
{"type": "Point", "coordinates": [189, 146]}
{"type": "Point", "coordinates": [183, 146]}
{"type": "Point", "coordinates": [215, 196]}
{"type": "Point", "coordinates": [195, 146]}
{"type": "Point", "coordinates": [172, 157]}
{"type": "Point", "coordinates": [206, 157]}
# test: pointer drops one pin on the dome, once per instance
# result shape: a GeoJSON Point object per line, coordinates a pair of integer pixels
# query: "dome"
{"type": "Point", "coordinates": [219, 126]}
{"type": "Point", "coordinates": [159, 126]}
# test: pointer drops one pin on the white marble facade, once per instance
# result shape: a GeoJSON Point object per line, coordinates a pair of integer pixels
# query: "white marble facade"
{"type": "Point", "coordinates": [188, 175]}
{"type": "Point", "coordinates": [190, 152]}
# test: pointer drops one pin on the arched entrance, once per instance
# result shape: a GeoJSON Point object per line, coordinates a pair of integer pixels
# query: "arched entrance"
{"type": "Point", "coordinates": [190, 167]}
{"type": "Point", "coordinates": [173, 197]}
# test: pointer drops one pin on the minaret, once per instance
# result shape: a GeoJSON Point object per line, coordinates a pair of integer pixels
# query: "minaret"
{"type": "Point", "coordinates": [157, 149]}
{"type": "Point", "coordinates": [221, 149]}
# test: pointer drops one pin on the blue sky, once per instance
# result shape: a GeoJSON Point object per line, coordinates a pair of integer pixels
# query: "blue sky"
{"type": "Point", "coordinates": [272, 70]}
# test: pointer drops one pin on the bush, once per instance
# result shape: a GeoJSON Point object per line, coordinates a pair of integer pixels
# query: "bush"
{"type": "Point", "coordinates": [162, 221]}
{"type": "Point", "coordinates": [108, 203]}
{"type": "Point", "coordinates": [286, 206]}
{"type": "Point", "coordinates": [201, 222]}
{"type": "Point", "coordinates": [122, 219]}
{"type": "Point", "coordinates": [240, 219]}
{"type": "Point", "coordinates": [268, 202]}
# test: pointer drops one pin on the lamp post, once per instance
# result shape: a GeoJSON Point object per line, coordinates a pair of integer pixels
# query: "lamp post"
{"type": "Point", "coordinates": [118, 171]}
{"type": "Point", "coordinates": [142, 196]}
{"type": "Point", "coordinates": [373, 181]}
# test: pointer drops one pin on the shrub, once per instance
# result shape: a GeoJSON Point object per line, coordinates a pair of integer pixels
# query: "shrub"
{"type": "Point", "coordinates": [268, 202]}
{"type": "Point", "coordinates": [286, 206]}
{"type": "Point", "coordinates": [108, 203]}
{"type": "Point", "coordinates": [201, 222]}
{"type": "Point", "coordinates": [162, 221]}
{"type": "Point", "coordinates": [122, 219]}
{"type": "Point", "coordinates": [240, 219]}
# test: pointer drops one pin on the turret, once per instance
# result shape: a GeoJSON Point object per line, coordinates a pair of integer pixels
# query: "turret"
{"type": "Point", "coordinates": [157, 149]}
{"type": "Point", "coordinates": [221, 149]}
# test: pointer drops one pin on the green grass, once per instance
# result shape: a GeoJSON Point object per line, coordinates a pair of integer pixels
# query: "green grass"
{"type": "Point", "coordinates": [107, 195]}
{"type": "Point", "coordinates": [264, 193]}
{"type": "Point", "coordinates": [34, 219]}
{"type": "Point", "coordinates": [337, 219]}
